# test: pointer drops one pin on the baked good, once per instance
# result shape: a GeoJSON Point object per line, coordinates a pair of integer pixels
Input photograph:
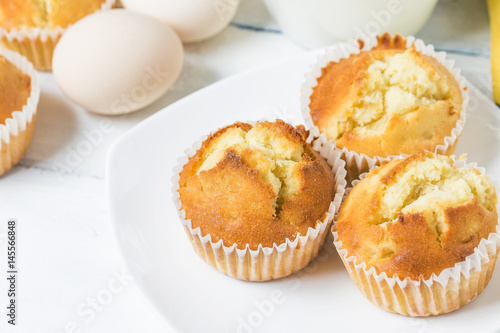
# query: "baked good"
{"type": "Point", "coordinates": [259, 186]}
{"type": "Point", "coordinates": [256, 185]}
{"type": "Point", "coordinates": [414, 220]}
{"type": "Point", "coordinates": [22, 14]}
{"type": "Point", "coordinates": [19, 94]}
{"type": "Point", "coordinates": [15, 88]}
{"type": "Point", "coordinates": [391, 98]}
{"type": "Point", "coordinates": [33, 27]}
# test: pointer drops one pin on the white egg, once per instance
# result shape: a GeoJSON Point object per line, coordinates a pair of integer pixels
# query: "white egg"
{"type": "Point", "coordinates": [117, 61]}
{"type": "Point", "coordinates": [193, 20]}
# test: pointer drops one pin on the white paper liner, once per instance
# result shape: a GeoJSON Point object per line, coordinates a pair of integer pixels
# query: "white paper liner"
{"type": "Point", "coordinates": [453, 288]}
{"type": "Point", "coordinates": [37, 44]}
{"type": "Point", "coordinates": [358, 163]}
{"type": "Point", "coordinates": [265, 263]}
{"type": "Point", "coordinates": [16, 133]}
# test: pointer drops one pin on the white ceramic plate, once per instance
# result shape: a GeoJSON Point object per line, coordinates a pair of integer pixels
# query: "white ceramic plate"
{"type": "Point", "coordinates": [191, 296]}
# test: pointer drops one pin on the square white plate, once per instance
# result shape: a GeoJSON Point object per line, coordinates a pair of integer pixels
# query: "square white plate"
{"type": "Point", "coordinates": [191, 296]}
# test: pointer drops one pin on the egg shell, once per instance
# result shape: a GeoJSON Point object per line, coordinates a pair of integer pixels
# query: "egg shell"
{"type": "Point", "coordinates": [193, 20]}
{"type": "Point", "coordinates": [117, 61]}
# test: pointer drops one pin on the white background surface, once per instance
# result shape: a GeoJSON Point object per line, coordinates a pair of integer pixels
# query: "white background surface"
{"type": "Point", "coordinates": [67, 255]}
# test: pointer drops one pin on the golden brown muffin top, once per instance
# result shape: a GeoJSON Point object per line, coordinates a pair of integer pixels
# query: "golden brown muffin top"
{"type": "Point", "coordinates": [386, 101]}
{"type": "Point", "coordinates": [417, 216]}
{"type": "Point", "coordinates": [15, 88]}
{"type": "Point", "coordinates": [255, 185]}
{"type": "Point", "coordinates": [19, 14]}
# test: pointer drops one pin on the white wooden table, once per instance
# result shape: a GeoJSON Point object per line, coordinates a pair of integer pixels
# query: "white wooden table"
{"type": "Point", "coordinates": [71, 277]}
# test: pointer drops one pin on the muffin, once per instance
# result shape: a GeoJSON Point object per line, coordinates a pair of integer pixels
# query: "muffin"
{"type": "Point", "coordinates": [19, 95]}
{"type": "Point", "coordinates": [256, 200]}
{"type": "Point", "coordinates": [33, 27]}
{"type": "Point", "coordinates": [392, 98]}
{"type": "Point", "coordinates": [419, 236]}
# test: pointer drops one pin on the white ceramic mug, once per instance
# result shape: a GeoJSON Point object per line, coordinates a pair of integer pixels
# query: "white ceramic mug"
{"type": "Point", "coordinates": [316, 23]}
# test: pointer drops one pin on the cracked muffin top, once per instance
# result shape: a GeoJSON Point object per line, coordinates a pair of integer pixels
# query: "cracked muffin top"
{"type": "Point", "coordinates": [256, 185]}
{"type": "Point", "coordinates": [386, 101]}
{"type": "Point", "coordinates": [19, 14]}
{"type": "Point", "coordinates": [15, 89]}
{"type": "Point", "coordinates": [416, 216]}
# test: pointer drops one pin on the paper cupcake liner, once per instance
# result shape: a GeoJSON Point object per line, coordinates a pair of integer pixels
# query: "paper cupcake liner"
{"type": "Point", "coordinates": [453, 288]}
{"type": "Point", "coordinates": [357, 163]}
{"type": "Point", "coordinates": [37, 44]}
{"type": "Point", "coordinates": [16, 133]}
{"type": "Point", "coordinates": [265, 263]}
